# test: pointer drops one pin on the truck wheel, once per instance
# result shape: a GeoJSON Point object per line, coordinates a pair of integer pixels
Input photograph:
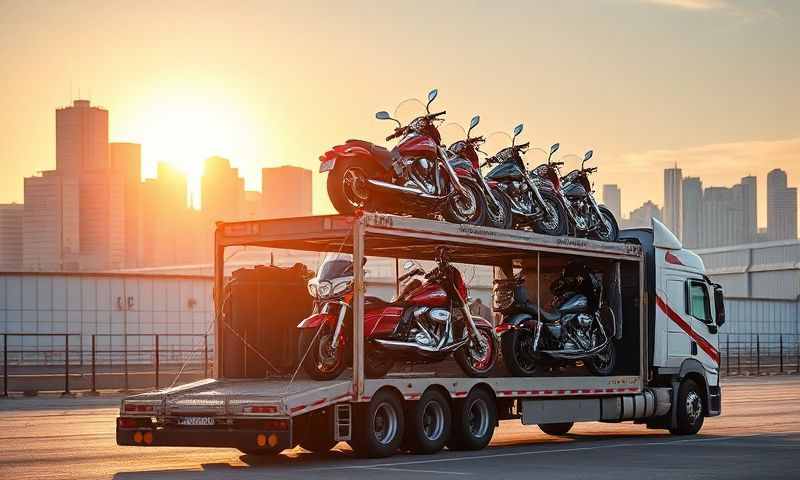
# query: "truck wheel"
{"type": "Point", "coordinates": [556, 428]}
{"type": "Point", "coordinates": [428, 425]}
{"type": "Point", "coordinates": [690, 409]}
{"type": "Point", "coordinates": [517, 347]}
{"type": "Point", "coordinates": [316, 431]}
{"type": "Point", "coordinates": [378, 427]}
{"type": "Point", "coordinates": [474, 419]}
{"type": "Point", "coordinates": [319, 443]}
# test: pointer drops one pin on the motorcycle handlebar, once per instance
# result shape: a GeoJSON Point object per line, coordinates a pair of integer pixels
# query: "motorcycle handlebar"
{"type": "Point", "coordinates": [556, 164]}
{"type": "Point", "coordinates": [397, 132]}
{"type": "Point", "coordinates": [404, 276]}
{"type": "Point", "coordinates": [434, 115]}
{"type": "Point", "coordinates": [591, 169]}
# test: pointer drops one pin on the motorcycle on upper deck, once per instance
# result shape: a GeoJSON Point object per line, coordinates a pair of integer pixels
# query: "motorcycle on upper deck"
{"type": "Point", "coordinates": [414, 178]}
{"type": "Point", "coordinates": [427, 322]}
{"type": "Point", "coordinates": [586, 217]}
{"type": "Point", "coordinates": [533, 205]}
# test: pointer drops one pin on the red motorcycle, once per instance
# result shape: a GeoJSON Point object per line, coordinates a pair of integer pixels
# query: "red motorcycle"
{"type": "Point", "coordinates": [414, 178]}
{"type": "Point", "coordinates": [427, 322]}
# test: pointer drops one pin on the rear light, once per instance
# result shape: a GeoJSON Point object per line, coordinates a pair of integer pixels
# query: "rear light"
{"type": "Point", "coordinates": [267, 409]}
{"type": "Point", "coordinates": [134, 408]}
{"type": "Point", "coordinates": [281, 425]}
{"type": "Point", "coordinates": [123, 422]}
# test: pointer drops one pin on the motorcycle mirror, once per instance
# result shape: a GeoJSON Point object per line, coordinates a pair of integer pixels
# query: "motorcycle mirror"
{"type": "Point", "coordinates": [431, 97]}
{"type": "Point", "coordinates": [553, 150]}
{"type": "Point", "coordinates": [473, 123]}
{"type": "Point", "coordinates": [384, 115]}
{"type": "Point", "coordinates": [408, 265]}
{"type": "Point", "coordinates": [517, 131]}
{"type": "Point", "coordinates": [588, 155]}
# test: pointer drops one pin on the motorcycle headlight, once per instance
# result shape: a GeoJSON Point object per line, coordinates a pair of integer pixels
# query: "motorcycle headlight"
{"type": "Point", "coordinates": [341, 287]}
{"type": "Point", "coordinates": [503, 298]}
{"type": "Point", "coordinates": [312, 289]}
{"type": "Point", "coordinates": [324, 289]}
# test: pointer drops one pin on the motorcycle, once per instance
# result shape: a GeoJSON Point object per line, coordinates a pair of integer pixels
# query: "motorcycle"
{"type": "Point", "coordinates": [466, 164]}
{"type": "Point", "coordinates": [581, 327]}
{"type": "Point", "coordinates": [532, 206]}
{"type": "Point", "coordinates": [427, 322]}
{"type": "Point", "coordinates": [414, 178]}
{"type": "Point", "coordinates": [586, 216]}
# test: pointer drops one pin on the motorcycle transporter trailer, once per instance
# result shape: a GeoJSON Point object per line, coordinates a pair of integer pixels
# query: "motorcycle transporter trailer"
{"type": "Point", "coordinates": [666, 381]}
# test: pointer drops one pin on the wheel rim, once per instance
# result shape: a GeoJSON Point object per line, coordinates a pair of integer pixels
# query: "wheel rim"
{"type": "Point", "coordinates": [433, 420]}
{"type": "Point", "coordinates": [550, 225]}
{"type": "Point", "coordinates": [478, 418]}
{"type": "Point", "coordinates": [522, 347]}
{"type": "Point", "coordinates": [482, 353]}
{"type": "Point", "coordinates": [354, 182]}
{"type": "Point", "coordinates": [327, 358]}
{"type": "Point", "coordinates": [497, 212]}
{"type": "Point", "coordinates": [694, 407]}
{"type": "Point", "coordinates": [384, 423]}
{"type": "Point", "coordinates": [465, 205]}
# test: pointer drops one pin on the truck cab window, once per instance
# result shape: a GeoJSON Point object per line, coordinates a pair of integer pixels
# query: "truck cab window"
{"type": "Point", "coordinates": [698, 304]}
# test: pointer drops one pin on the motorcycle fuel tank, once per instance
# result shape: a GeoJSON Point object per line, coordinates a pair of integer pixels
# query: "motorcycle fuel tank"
{"type": "Point", "coordinates": [430, 295]}
{"type": "Point", "coordinates": [418, 146]}
{"type": "Point", "coordinates": [505, 171]}
{"type": "Point", "coordinates": [574, 190]}
{"type": "Point", "coordinates": [575, 304]}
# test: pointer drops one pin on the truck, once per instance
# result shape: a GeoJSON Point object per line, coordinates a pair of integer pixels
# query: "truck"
{"type": "Point", "coordinates": [666, 374]}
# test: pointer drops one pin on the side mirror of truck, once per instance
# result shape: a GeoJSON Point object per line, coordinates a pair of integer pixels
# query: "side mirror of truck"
{"type": "Point", "coordinates": [719, 304]}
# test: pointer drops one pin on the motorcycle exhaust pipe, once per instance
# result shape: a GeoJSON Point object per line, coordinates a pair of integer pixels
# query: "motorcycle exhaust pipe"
{"type": "Point", "coordinates": [410, 346]}
{"type": "Point", "coordinates": [415, 192]}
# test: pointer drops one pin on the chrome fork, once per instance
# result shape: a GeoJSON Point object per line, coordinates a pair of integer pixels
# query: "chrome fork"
{"type": "Point", "coordinates": [339, 323]}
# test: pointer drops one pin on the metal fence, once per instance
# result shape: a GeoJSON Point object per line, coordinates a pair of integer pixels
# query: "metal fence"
{"type": "Point", "coordinates": [109, 361]}
{"type": "Point", "coordinates": [757, 354]}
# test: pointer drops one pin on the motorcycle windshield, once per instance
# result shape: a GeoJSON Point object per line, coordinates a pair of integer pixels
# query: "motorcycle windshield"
{"type": "Point", "coordinates": [335, 265]}
{"type": "Point", "coordinates": [535, 157]}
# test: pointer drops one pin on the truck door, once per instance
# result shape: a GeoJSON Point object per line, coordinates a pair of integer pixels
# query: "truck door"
{"type": "Point", "coordinates": [678, 343]}
{"type": "Point", "coordinates": [700, 313]}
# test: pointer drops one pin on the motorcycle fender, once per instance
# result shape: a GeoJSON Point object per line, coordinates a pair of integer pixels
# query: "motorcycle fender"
{"type": "Point", "coordinates": [345, 151]}
{"type": "Point", "coordinates": [314, 321]}
{"type": "Point", "coordinates": [513, 322]}
{"type": "Point", "coordinates": [463, 172]}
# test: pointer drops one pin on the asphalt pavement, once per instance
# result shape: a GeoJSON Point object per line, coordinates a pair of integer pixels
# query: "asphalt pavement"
{"type": "Point", "coordinates": [758, 436]}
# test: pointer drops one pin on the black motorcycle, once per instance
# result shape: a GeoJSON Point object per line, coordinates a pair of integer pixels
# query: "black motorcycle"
{"type": "Point", "coordinates": [587, 218]}
{"type": "Point", "coordinates": [581, 326]}
{"type": "Point", "coordinates": [534, 205]}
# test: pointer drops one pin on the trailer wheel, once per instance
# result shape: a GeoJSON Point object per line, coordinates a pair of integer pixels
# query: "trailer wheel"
{"type": "Point", "coordinates": [429, 423]}
{"type": "Point", "coordinates": [690, 409]}
{"type": "Point", "coordinates": [474, 419]}
{"type": "Point", "coordinates": [378, 426]}
{"type": "Point", "coordinates": [556, 429]}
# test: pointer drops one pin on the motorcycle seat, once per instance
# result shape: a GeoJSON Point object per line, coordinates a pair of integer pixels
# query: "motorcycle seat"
{"type": "Point", "coordinates": [381, 154]}
{"type": "Point", "coordinates": [547, 317]}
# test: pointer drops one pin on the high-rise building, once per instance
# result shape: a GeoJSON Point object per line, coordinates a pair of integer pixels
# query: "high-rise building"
{"type": "Point", "coordinates": [286, 192]}
{"type": "Point", "coordinates": [642, 216]}
{"type": "Point", "coordinates": [126, 160]}
{"type": "Point", "coordinates": [167, 238]}
{"type": "Point", "coordinates": [11, 218]}
{"type": "Point", "coordinates": [672, 199]}
{"type": "Point", "coordinates": [253, 205]}
{"type": "Point", "coordinates": [781, 207]}
{"type": "Point", "coordinates": [612, 198]}
{"type": "Point", "coordinates": [81, 138]}
{"type": "Point", "coordinates": [102, 220]}
{"type": "Point", "coordinates": [749, 208]}
{"type": "Point", "coordinates": [692, 203]}
{"type": "Point", "coordinates": [222, 190]}
{"type": "Point", "coordinates": [51, 223]}
{"type": "Point", "coordinates": [723, 217]}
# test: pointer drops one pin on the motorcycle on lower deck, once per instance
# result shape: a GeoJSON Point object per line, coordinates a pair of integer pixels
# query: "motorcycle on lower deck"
{"type": "Point", "coordinates": [532, 206]}
{"type": "Point", "coordinates": [587, 218]}
{"type": "Point", "coordinates": [414, 178]}
{"type": "Point", "coordinates": [581, 326]}
{"type": "Point", "coordinates": [427, 323]}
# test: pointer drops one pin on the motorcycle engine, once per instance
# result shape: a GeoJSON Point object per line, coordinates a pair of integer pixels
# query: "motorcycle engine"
{"type": "Point", "coordinates": [420, 175]}
{"type": "Point", "coordinates": [579, 326]}
{"type": "Point", "coordinates": [431, 325]}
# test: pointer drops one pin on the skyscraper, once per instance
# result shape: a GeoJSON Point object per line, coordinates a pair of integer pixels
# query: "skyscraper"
{"type": "Point", "coordinates": [781, 207]}
{"type": "Point", "coordinates": [723, 217]}
{"type": "Point", "coordinates": [692, 203]}
{"type": "Point", "coordinates": [749, 208]}
{"type": "Point", "coordinates": [612, 197]}
{"type": "Point", "coordinates": [672, 199]}
{"type": "Point", "coordinates": [286, 191]}
{"type": "Point", "coordinates": [166, 236]}
{"type": "Point", "coordinates": [81, 138]}
{"type": "Point", "coordinates": [126, 160]}
{"type": "Point", "coordinates": [11, 215]}
{"type": "Point", "coordinates": [51, 222]}
{"type": "Point", "coordinates": [642, 216]}
{"type": "Point", "coordinates": [222, 191]}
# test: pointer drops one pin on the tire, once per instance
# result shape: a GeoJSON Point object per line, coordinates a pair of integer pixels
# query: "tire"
{"type": "Point", "coordinates": [517, 344]}
{"type": "Point", "coordinates": [690, 409]}
{"type": "Point", "coordinates": [504, 218]}
{"type": "Point", "coordinates": [318, 444]}
{"type": "Point", "coordinates": [479, 365]}
{"type": "Point", "coordinates": [556, 429]}
{"type": "Point", "coordinates": [428, 423]}
{"type": "Point", "coordinates": [611, 232]}
{"type": "Point", "coordinates": [474, 420]}
{"type": "Point", "coordinates": [559, 224]}
{"type": "Point", "coordinates": [603, 363]}
{"type": "Point", "coordinates": [345, 200]}
{"type": "Point", "coordinates": [377, 364]}
{"type": "Point", "coordinates": [378, 426]}
{"type": "Point", "coordinates": [315, 365]}
{"type": "Point", "coordinates": [316, 432]}
{"type": "Point", "coordinates": [453, 210]}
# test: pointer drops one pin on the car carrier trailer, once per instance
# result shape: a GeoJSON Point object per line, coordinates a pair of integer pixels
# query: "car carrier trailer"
{"type": "Point", "coordinates": [664, 380]}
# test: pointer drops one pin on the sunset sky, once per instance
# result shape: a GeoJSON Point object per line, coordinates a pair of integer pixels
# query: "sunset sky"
{"type": "Point", "coordinates": [709, 84]}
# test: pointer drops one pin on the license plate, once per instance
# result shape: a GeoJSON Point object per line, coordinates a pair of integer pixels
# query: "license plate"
{"type": "Point", "coordinates": [327, 165]}
{"type": "Point", "coordinates": [196, 421]}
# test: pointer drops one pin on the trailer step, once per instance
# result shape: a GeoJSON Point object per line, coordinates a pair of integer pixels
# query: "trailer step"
{"type": "Point", "coordinates": [342, 418]}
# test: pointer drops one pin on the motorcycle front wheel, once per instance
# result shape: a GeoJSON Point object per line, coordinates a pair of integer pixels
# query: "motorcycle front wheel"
{"type": "Point", "coordinates": [518, 356]}
{"type": "Point", "coordinates": [555, 223]}
{"type": "Point", "coordinates": [320, 361]}
{"type": "Point", "coordinates": [610, 230]}
{"type": "Point", "coordinates": [500, 216]}
{"type": "Point", "coordinates": [604, 362]}
{"type": "Point", "coordinates": [469, 208]}
{"type": "Point", "coordinates": [478, 361]}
